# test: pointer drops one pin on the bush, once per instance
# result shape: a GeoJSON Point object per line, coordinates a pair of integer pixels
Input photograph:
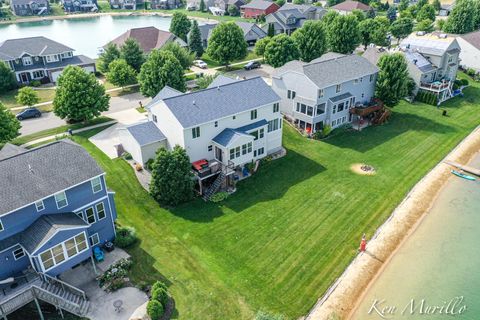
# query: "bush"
{"type": "Point", "coordinates": [127, 156]}
{"type": "Point", "coordinates": [126, 236]}
{"type": "Point", "coordinates": [471, 72]}
{"type": "Point", "coordinates": [159, 285]}
{"type": "Point", "coordinates": [218, 197]}
{"type": "Point", "coordinates": [161, 295]}
{"type": "Point", "coordinates": [464, 82]}
{"type": "Point", "coordinates": [149, 164]}
{"type": "Point", "coordinates": [35, 83]}
{"type": "Point", "coordinates": [113, 278]}
{"type": "Point", "coordinates": [155, 309]}
{"type": "Point", "coordinates": [427, 97]}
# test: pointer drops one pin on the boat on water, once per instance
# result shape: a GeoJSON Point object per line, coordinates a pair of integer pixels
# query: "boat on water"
{"type": "Point", "coordinates": [462, 175]}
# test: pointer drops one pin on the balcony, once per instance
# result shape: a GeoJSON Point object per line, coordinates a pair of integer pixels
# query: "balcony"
{"type": "Point", "coordinates": [204, 168]}
{"type": "Point", "coordinates": [364, 110]}
{"type": "Point", "coordinates": [436, 86]}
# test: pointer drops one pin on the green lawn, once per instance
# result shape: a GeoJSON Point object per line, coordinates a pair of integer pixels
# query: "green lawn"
{"type": "Point", "coordinates": [289, 231]}
{"type": "Point", "coordinates": [8, 98]}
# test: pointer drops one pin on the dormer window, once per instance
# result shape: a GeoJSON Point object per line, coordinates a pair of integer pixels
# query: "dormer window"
{"type": "Point", "coordinates": [52, 58]}
{"type": "Point", "coordinates": [27, 61]}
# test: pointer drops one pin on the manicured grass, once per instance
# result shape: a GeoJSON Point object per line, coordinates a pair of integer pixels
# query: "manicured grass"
{"type": "Point", "coordinates": [290, 230]}
{"type": "Point", "coordinates": [8, 98]}
{"type": "Point", "coordinates": [63, 129]}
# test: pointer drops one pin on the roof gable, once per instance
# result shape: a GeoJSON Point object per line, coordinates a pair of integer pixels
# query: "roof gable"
{"type": "Point", "coordinates": [350, 5]}
{"type": "Point", "coordinates": [34, 46]}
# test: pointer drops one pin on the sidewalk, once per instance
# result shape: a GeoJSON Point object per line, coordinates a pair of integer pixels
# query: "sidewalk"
{"type": "Point", "coordinates": [61, 135]}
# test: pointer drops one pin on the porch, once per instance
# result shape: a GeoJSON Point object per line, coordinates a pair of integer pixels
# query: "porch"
{"type": "Point", "coordinates": [364, 115]}
{"type": "Point", "coordinates": [213, 175]}
{"type": "Point", "coordinates": [442, 89]}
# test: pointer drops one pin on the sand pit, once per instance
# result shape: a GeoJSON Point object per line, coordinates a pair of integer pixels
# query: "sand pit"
{"type": "Point", "coordinates": [363, 169]}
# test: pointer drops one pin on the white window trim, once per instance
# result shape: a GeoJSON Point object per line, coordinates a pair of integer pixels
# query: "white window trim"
{"type": "Point", "coordinates": [18, 258]}
{"type": "Point", "coordinates": [94, 215]}
{"type": "Point", "coordinates": [64, 252]}
{"type": "Point", "coordinates": [100, 183]}
{"type": "Point", "coordinates": [91, 237]}
{"type": "Point", "coordinates": [36, 205]}
{"type": "Point", "coordinates": [56, 202]}
{"type": "Point", "coordinates": [29, 59]}
{"type": "Point", "coordinates": [104, 211]}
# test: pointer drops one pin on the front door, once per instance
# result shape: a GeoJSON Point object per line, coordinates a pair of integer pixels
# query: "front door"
{"type": "Point", "coordinates": [25, 77]}
{"type": "Point", "coordinates": [218, 154]}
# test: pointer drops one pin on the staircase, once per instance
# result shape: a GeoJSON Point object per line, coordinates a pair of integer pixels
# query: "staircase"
{"type": "Point", "coordinates": [214, 187]}
{"type": "Point", "coordinates": [48, 289]}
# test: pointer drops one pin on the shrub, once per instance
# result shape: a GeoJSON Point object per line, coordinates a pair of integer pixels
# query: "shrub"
{"type": "Point", "coordinates": [126, 236]}
{"type": "Point", "coordinates": [218, 197]}
{"type": "Point", "coordinates": [112, 279]}
{"type": "Point", "coordinates": [155, 309]}
{"type": "Point", "coordinates": [161, 295]}
{"type": "Point", "coordinates": [35, 83]}
{"type": "Point", "coordinates": [326, 130]}
{"type": "Point", "coordinates": [159, 285]}
{"type": "Point", "coordinates": [464, 82]}
{"type": "Point", "coordinates": [471, 72]}
{"type": "Point", "coordinates": [127, 156]}
{"type": "Point", "coordinates": [149, 164]}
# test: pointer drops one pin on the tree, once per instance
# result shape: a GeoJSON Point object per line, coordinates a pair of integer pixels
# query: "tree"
{"type": "Point", "coordinates": [204, 81]}
{"type": "Point", "coordinates": [180, 25]}
{"type": "Point", "coordinates": [392, 14]}
{"type": "Point", "coordinates": [311, 40]}
{"type": "Point", "coordinates": [9, 125]}
{"type": "Point", "coordinates": [202, 6]}
{"type": "Point", "coordinates": [161, 68]}
{"type": "Point", "coordinates": [403, 5]}
{"type": "Point", "coordinates": [271, 30]}
{"type": "Point", "coordinates": [329, 17]}
{"type": "Point", "coordinates": [227, 43]}
{"type": "Point", "coordinates": [426, 12]}
{"type": "Point", "coordinates": [280, 50]}
{"type": "Point", "coordinates": [7, 78]}
{"type": "Point", "coordinates": [172, 181]}
{"type": "Point", "coordinates": [121, 73]}
{"type": "Point", "coordinates": [359, 14]}
{"type": "Point", "coordinates": [392, 81]}
{"type": "Point", "coordinates": [299, 1]}
{"type": "Point", "coordinates": [79, 96]}
{"type": "Point", "coordinates": [260, 46]}
{"type": "Point", "coordinates": [131, 52]}
{"type": "Point", "coordinates": [462, 18]}
{"type": "Point", "coordinates": [280, 2]}
{"type": "Point", "coordinates": [183, 56]}
{"type": "Point", "coordinates": [421, 3]}
{"type": "Point", "coordinates": [27, 97]}
{"type": "Point", "coordinates": [110, 53]}
{"type": "Point", "coordinates": [401, 28]}
{"type": "Point", "coordinates": [343, 34]}
{"type": "Point", "coordinates": [425, 25]}
{"type": "Point", "coordinates": [367, 28]}
{"type": "Point", "coordinates": [437, 5]}
{"type": "Point", "coordinates": [195, 40]}
{"type": "Point", "coordinates": [233, 10]}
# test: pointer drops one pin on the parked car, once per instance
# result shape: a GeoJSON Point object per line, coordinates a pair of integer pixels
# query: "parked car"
{"type": "Point", "coordinates": [29, 113]}
{"type": "Point", "coordinates": [252, 65]}
{"type": "Point", "coordinates": [200, 64]}
{"type": "Point", "coordinates": [191, 7]}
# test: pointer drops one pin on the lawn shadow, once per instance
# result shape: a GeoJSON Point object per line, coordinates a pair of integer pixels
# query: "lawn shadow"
{"type": "Point", "coordinates": [374, 136]}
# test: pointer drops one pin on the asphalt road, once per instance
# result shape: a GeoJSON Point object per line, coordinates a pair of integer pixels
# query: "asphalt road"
{"type": "Point", "coordinates": [48, 120]}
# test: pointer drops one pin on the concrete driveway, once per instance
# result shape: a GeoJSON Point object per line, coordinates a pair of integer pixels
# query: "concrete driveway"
{"type": "Point", "coordinates": [265, 72]}
{"type": "Point", "coordinates": [108, 138]}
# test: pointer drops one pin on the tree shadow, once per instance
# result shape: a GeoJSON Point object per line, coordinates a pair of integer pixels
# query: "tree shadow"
{"type": "Point", "coordinates": [374, 136]}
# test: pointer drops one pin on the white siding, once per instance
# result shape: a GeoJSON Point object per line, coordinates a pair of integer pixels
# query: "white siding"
{"type": "Point", "coordinates": [469, 56]}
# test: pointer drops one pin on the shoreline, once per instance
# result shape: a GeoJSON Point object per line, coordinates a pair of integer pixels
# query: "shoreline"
{"type": "Point", "coordinates": [100, 14]}
{"type": "Point", "coordinates": [345, 295]}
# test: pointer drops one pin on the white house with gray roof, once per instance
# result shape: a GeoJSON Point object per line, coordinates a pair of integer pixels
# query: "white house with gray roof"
{"type": "Point", "coordinates": [291, 16]}
{"type": "Point", "coordinates": [323, 91]}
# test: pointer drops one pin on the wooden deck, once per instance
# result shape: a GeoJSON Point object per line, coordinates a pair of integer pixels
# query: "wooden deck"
{"type": "Point", "coordinates": [465, 168]}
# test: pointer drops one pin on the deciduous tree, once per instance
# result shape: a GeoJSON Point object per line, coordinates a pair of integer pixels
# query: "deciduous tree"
{"type": "Point", "coordinates": [195, 40]}
{"type": "Point", "coordinates": [110, 53]}
{"type": "Point", "coordinates": [233, 11]}
{"type": "Point", "coordinates": [7, 78]}
{"type": "Point", "coordinates": [227, 43]}
{"type": "Point", "coordinates": [403, 5]}
{"type": "Point", "coordinates": [27, 97]}
{"type": "Point", "coordinates": [280, 50]}
{"type": "Point", "coordinates": [183, 56]}
{"type": "Point", "coordinates": [392, 81]}
{"type": "Point", "coordinates": [180, 25]}
{"type": "Point", "coordinates": [437, 5]}
{"type": "Point", "coordinates": [424, 25]}
{"type": "Point", "coordinates": [161, 68]}
{"type": "Point", "coordinates": [311, 40]}
{"type": "Point", "coordinates": [426, 12]}
{"type": "Point", "coordinates": [79, 96]}
{"type": "Point", "coordinates": [401, 28]}
{"type": "Point", "coordinates": [131, 52]}
{"type": "Point", "coordinates": [343, 34]}
{"type": "Point", "coordinates": [121, 73]}
{"type": "Point", "coordinates": [9, 125]}
{"type": "Point", "coordinates": [260, 46]}
{"type": "Point", "coordinates": [462, 18]}
{"type": "Point", "coordinates": [172, 181]}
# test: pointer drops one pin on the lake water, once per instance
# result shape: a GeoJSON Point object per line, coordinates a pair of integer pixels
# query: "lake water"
{"type": "Point", "coordinates": [439, 262]}
{"type": "Point", "coordinates": [85, 35]}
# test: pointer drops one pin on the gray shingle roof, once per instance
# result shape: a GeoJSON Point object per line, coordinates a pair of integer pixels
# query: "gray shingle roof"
{"type": "Point", "coordinates": [146, 133]}
{"type": "Point", "coordinates": [332, 69]}
{"type": "Point", "coordinates": [430, 43]}
{"type": "Point", "coordinates": [166, 92]}
{"type": "Point", "coordinates": [35, 46]}
{"type": "Point", "coordinates": [228, 136]}
{"type": "Point", "coordinates": [221, 80]}
{"type": "Point", "coordinates": [341, 97]}
{"type": "Point", "coordinates": [40, 231]}
{"type": "Point", "coordinates": [43, 171]}
{"type": "Point", "coordinates": [473, 38]}
{"type": "Point", "coordinates": [10, 150]}
{"type": "Point", "coordinates": [192, 109]}
{"type": "Point", "coordinates": [419, 61]}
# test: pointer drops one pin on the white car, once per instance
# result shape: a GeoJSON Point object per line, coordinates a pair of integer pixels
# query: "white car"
{"type": "Point", "coordinates": [200, 64]}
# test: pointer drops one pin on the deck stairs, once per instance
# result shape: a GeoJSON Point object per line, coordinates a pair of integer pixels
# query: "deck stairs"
{"type": "Point", "coordinates": [214, 187]}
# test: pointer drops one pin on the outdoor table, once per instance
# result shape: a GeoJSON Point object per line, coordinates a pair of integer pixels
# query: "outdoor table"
{"type": "Point", "coordinates": [118, 305]}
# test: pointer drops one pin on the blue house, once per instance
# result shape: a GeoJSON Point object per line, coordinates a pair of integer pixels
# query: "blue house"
{"type": "Point", "coordinates": [55, 208]}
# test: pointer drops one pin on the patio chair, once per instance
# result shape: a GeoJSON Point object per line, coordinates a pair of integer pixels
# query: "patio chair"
{"type": "Point", "coordinates": [98, 254]}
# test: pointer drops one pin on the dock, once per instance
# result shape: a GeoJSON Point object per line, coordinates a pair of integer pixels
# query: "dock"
{"type": "Point", "coordinates": [465, 168]}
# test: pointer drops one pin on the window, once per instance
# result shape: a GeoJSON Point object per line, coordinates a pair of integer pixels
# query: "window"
{"type": "Point", "coordinates": [341, 106]}
{"type": "Point", "coordinates": [80, 215]}
{"type": "Point", "coordinates": [344, 119]}
{"type": "Point", "coordinates": [100, 211]}
{"type": "Point", "coordinates": [27, 61]}
{"type": "Point", "coordinates": [18, 253]}
{"type": "Point", "coordinates": [363, 95]}
{"type": "Point", "coordinates": [234, 117]}
{"type": "Point", "coordinates": [154, 117]}
{"type": "Point", "coordinates": [67, 54]}
{"type": "Point", "coordinates": [303, 108]}
{"type": "Point", "coordinates": [320, 93]}
{"type": "Point", "coordinates": [276, 107]}
{"type": "Point", "coordinates": [75, 245]}
{"type": "Point", "coordinates": [320, 109]}
{"type": "Point", "coordinates": [291, 94]}
{"type": "Point", "coordinates": [195, 132]}
{"type": "Point", "coordinates": [210, 148]}
{"type": "Point", "coordinates": [38, 74]}
{"type": "Point", "coordinates": [338, 88]}
{"type": "Point", "coordinates": [309, 111]}
{"type": "Point", "coordinates": [61, 200]}
{"type": "Point", "coordinates": [355, 81]}
{"type": "Point", "coordinates": [47, 259]}
{"type": "Point", "coordinates": [244, 149]}
{"type": "Point", "coordinates": [261, 133]}
{"type": "Point", "coordinates": [39, 205]}
{"type": "Point", "coordinates": [232, 154]}
{"type": "Point", "coordinates": [96, 185]}
{"type": "Point", "coordinates": [334, 109]}
{"type": "Point", "coordinates": [237, 152]}
{"type": "Point", "coordinates": [1, 226]}
{"type": "Point", "coordinates": [260, 151]}
{"type": "Point", "coordinates": [58, 254]}
{"type": "Point", "coordinates": [371, 77]}
{"type": "Point", "coordinates": [90, 215]}
{"type": "Point", "coordinates": [273, 125]}
{"type": "Point", "coordinates": [94, 240]}
{"type": "Point", "coordinates": [216, 124]}
{"type": "Point", "coordinates": [253, 114]}
{"type": "Point", "coordinates": [249, 146]}
{"type": "Point", "coordinates": [255, 134]}
{"type": "Point", "coordinates": [52, 58]}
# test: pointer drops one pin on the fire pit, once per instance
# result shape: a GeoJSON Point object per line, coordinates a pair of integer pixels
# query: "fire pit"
{"type": "Point", "coordinates": [363, 169]}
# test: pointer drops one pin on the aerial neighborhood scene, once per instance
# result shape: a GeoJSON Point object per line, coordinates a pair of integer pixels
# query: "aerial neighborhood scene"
{"type": "Point", "coordinates": [239, 159]}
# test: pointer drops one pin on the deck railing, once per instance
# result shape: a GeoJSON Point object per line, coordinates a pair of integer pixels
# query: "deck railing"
{"type": "Point", "coordinates": [65, 286]}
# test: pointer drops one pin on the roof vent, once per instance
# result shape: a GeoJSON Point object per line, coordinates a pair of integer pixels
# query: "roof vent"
{"type": "Point", "coordinates": [194, 102]}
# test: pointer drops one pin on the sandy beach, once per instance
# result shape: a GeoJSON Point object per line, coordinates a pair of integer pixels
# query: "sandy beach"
{"type": "Point", "coordinates": [341, 299]}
